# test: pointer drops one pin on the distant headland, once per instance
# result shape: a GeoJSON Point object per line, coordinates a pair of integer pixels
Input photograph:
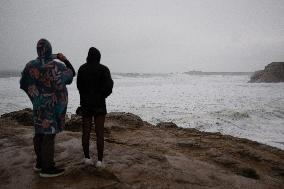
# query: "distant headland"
{"type": "Point", "coordinates": [216, 73]}
{"type": "Point", "coordinates": [272, 73]}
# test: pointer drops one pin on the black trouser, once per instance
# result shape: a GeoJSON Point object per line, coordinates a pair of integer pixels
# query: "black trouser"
{"type": "Point", "coordinates": [44, 150]}
{"type": "Point", "coordinates": [99, 128]}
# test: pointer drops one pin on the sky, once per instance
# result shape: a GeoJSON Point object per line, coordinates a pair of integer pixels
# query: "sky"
{"type": "Point", "coordinates": [146, 36]}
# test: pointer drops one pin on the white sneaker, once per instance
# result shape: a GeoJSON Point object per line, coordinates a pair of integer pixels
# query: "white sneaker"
{"type": "Point", "coordinates": [37, 169]}
{"type": "Point", "coordinates": [88, 161]}
{"type": "Point", "coordinates": [100, 165]}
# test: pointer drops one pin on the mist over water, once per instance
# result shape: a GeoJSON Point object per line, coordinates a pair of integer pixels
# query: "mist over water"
{"type": "Point", "coordinates": [214, 103]}
{"type": "Point", "coordinates": [145, 35]}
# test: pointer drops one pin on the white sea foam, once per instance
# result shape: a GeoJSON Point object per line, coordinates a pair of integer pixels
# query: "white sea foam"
{"type": "Point", "coordinates": [215, 103]}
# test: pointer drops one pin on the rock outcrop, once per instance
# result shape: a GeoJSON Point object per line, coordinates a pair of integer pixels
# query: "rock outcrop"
{"type": "Point", "coordinates": [23, 117]}
{"type": "Point", "coordinates": [273, 72]}
{"type": "Point", "coordinates": [166, 125]}
{"type": "Point", "coordinates": [114, 120]}
{"type": "Point", "coordinates": [74, 123]}
{"type": "Point", "coordinates": [141, 155]}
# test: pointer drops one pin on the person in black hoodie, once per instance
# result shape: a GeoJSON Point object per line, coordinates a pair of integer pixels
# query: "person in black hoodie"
{"type": "Point", "coordinates": [95, 84]}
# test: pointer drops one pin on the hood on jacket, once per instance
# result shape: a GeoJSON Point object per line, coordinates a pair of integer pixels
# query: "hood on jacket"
{"type": "Point", "coordinates": [94, 55]}
{"type": "Point", "coordinates": [44, 49]}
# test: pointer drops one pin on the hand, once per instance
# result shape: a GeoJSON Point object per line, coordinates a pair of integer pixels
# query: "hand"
{"type": "Point", "coordinates": [61, 57]}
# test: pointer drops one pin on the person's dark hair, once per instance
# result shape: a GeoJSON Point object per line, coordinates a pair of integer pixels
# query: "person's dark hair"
{"type": "Point", "coordinates": [94, 55]}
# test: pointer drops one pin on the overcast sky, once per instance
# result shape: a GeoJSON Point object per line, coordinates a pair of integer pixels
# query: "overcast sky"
{"type": "Point", "coordinates": [146, 35]}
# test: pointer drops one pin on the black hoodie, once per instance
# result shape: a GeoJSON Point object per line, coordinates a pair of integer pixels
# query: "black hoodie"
{"type": "Point", "coordinates": [94, 83]}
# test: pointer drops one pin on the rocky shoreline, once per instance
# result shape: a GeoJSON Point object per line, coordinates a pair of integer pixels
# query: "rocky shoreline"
{"type": "Point", "coordinates": [140, 155]}
{"type": "Point", "coordinates": [272, 73]}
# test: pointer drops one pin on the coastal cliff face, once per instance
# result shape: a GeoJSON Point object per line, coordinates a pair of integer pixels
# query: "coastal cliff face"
{"type": "Point", "coordinates": [140, 155]}
{"type": "Point", "coordinates": [273, 72]}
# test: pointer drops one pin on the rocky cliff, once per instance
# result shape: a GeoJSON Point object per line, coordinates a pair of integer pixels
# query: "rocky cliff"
{"type": "Point", "coordinates": [273, 72]}
{"type": "Point", "coordinates": [140, 155]}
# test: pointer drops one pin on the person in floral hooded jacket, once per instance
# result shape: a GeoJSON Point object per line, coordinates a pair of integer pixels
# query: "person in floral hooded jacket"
{"type": "Point", "coordinates": [44, 80]}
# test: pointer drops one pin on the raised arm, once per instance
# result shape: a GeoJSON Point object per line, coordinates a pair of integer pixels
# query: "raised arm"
{"type": "Point", "coordinates": [61, 57]}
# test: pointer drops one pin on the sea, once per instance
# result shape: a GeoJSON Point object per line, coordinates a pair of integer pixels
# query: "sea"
{"type": "Point", "coordinates": [208, 101]}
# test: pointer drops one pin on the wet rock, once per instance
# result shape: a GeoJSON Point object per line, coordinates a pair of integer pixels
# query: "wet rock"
{"type": "Point", "coordinates": [248, 172]}
{"type": "Point", "coordinates": [273, 72]}
{"type": "Point", "coordinates": [213, 153]}
{"type": "Point", "coordinates": [74, 123]}
{"type": "Point", "coordinates": [24, 117]}
{"type": "Point", "coordinates": [279, 171]}
{"type": "Point", "coordinates": [167, 125]}
{"type": "Point", "coordinates": [225, 160]}
{"type": "Point", "coordinates": [125, 119]}
{"type": "Point", "coordinates": [157, 156]}
{"type": "Point", "coordinates": [189, 144]}
{"type": "Point", "coordinates": [249, 154]}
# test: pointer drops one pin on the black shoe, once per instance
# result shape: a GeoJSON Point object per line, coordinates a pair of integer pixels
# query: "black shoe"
{"type": "Point", "coordinates": [51, 173]}
{"type": "Point", "coordinates": [37, 167]}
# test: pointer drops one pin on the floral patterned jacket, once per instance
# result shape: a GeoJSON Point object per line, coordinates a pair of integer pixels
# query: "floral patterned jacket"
{"type": "Point", "coordinates": [44, 80]}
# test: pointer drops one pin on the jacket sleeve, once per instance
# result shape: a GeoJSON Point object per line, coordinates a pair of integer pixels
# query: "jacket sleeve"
{"type": "Point", "coordinates": [67, 74]}
{"type": "Point", "coordinates": [108, 83]}
{"type": "Point", "coordinates": [69, 65]}
{"type": "Point", "coordinates": [25, 80]}
{"type": "Point", "coordinates": [79, 81]}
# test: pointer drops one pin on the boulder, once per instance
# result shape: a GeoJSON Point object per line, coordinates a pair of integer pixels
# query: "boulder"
{"type": "Point", "coordinates": [166, 125]}
{"type": "Point", "coordinates": [24, 117]}
{"type": "Point", "coordinates": [273, 72]}
{"type": "Point", "coordinates": [74, 123]}
{"type": "Point", "coordinates": [114, 120]}
{"type": "Point", "coordinates": [125, 119]}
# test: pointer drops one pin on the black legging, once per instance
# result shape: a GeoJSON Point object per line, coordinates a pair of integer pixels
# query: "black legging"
{"type": "Point", "coordinates": [99, 128]}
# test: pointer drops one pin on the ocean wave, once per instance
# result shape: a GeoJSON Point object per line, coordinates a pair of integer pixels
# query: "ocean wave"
{"type": "Point", "coordinates": [140, 75]}
{"type": "Point", "coordinates": [5, 74]}
{"type": "Point", "coordinates": [233, 115]}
